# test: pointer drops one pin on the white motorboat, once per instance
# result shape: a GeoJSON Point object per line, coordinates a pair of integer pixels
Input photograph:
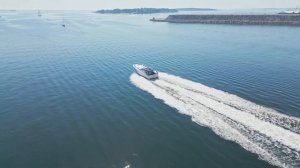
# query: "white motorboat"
{"type": "Point", "coordinates": [145, 71]}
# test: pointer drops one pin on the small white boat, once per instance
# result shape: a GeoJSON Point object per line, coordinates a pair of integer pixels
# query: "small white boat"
{"type": "Point", "coordinates": [39, 13]}
{"type": "Point", "coordinates": [145, 71]}
{"type": "Point", "coordinates": [63, 23]}
{"type": "Point", "coordinates": [290, 12]}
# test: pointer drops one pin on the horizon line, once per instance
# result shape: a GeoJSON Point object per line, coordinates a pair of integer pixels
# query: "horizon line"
{"type": "Point", "coordinates": [146, 7]}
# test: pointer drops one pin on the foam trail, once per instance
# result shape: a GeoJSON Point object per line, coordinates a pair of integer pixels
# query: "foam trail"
{"type": "Point", "coordinates": [273, 136]}
{"type": "Point", "coordinates": [263, 113]}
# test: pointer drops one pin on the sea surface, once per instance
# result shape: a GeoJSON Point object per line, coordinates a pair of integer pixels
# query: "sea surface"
{"type": "Point", "coordinates": [228, 95]}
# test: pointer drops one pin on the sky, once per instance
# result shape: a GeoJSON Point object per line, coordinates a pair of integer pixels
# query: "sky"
{"type": "Point", "coordinates": [109, 4]}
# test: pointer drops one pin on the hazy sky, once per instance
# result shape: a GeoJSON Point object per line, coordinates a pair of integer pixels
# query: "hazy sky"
{"type": "Point", "coordinates": [99, 4]}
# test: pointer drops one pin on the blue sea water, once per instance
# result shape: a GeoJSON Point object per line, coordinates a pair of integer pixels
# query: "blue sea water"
{"type": "Point", "coordinates": [67, 99]}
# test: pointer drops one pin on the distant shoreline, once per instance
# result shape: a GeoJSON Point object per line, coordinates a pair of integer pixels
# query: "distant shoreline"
{"type": "Point", "coordinates": [149, 10]}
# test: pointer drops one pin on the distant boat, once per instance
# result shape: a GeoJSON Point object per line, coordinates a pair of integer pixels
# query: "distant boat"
{"type": "Point", "coordinates": [39, 13]}
{"type": "Point", "coordinates": [290, 12]}
{"type": "Point", "coordinates": [63, 23]}
{"type": "Point", "coordinates": [145, 71]}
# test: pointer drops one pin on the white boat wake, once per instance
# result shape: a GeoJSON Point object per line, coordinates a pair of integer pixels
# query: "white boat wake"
{"type": "Point", "coordinates": [273, 136]}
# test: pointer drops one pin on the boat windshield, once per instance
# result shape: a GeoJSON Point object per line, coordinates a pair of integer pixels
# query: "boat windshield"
{"type": "Point", "coordinates": [149, 71]}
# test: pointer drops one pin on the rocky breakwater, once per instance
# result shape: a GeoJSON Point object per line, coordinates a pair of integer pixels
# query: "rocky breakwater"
{"type": "Point", "coordinates": [233, 19]}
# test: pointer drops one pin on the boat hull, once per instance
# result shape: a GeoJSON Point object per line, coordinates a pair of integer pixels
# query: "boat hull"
{"type": "Point", "coordinates": [142, 73]}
